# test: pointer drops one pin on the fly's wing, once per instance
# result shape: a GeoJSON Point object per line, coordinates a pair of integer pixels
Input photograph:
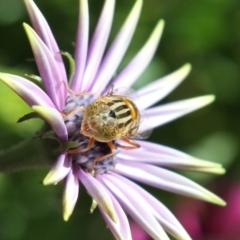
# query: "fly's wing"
{"type": "Point", "coordinates": [144, 129]}
{"type": "Point", "coordinates": [122, 91]}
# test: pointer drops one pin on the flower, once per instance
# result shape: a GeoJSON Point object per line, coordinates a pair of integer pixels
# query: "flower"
{"type": "Point", "coordinates": [60, 106]}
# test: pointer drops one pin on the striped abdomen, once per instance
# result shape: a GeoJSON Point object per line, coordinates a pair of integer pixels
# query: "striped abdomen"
{"type": "Point", "coordinates": [126, 114]}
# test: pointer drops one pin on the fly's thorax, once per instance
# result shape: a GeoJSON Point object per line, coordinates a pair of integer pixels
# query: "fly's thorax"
{"type": "Point", "coordinates": [99, 122]}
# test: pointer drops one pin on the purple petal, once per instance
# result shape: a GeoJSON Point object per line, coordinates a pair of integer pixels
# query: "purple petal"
{"type": "Point", "coordinates": [55, 119]}
{"type": "Point", "coordinates": [120, 229]}
{"type": "Point", "coordinates": [99, 194]}
{"type": "Point", "coordinates": [163, 215]}
{"type": "Point", "coordinates": [81, 45]}
{"type": "Point", "coordinates": [98, 44]}
{"type": "Point", "coordinates": [29, 92]}
{"type": "Point", "coordinates": [43, 30]}
{"type": "Point", "coordinates": [158, 89]}
{"type": "Point", "coordinates": [117, 49]}
{"type": "Point", "coordinates": [133, 206]}
{"type": "Point", "coordinates": [160, 115]}
{"type": "Point", "coordinates": [164, 156]}
{"type": "Point", "coordinates": [165, 179]}
{"type": "Point", "coordinates": [139, 63]}
{"type": "Point", "coordinates": [70, 194]}
{"type": "Point", "coordinates": [59, 170]}
{"type": "Point", "coordinates": [48, 69]}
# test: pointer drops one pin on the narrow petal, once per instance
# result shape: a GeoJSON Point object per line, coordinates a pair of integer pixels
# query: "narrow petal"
{"type": "Point", "coordinates": [133, 207]}
{"type": "Point", "coordinates": [55, 119]}
{"type": "Point", "coordinates": [167, 180]}
{"type": "Point", "coordinates": [158, 116]}
{"type": "Point", "coordinates": [163, 215]}
{"type": "Point", "coordinates": [81, 45]}
{"type": "Point", "coordinates": [157, 154]}
{"type": "Point", "coordinates": [139, 63]}
{"type": "Point", "coordinates": [98, 44]}
{"type": "Point", "coordinates": [70, 194]}
{"type": "Point", "coordinates": [44, 32]}
{"type": "Point", "coordinates": [158, 89]}
{"type": "Point", "coordinates": [59, 170]}
{"type": "Point", "coordinates": [47, 67]}
{"type": "Point", "coordinates": [120, 229]}
{"type": "Point", "coordinates": [29, 92]}
{"type": "Point", "coordinates": [98, 192]}
{"type": "Point", "coordinates": [117, 49]}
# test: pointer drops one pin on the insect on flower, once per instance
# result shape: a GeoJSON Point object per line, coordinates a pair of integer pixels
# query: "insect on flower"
{"type": "Point", "coordinates": [112, 117]}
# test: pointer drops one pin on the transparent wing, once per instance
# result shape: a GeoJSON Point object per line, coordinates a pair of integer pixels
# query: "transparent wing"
{"type": "Point", "coordinates": [144, 130]}
{"type": "Point", "coordinates": [122, 91]}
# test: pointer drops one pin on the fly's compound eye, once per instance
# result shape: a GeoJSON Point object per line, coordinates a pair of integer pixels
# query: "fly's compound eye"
{"type": "Point", "coordinates": [112, 114]}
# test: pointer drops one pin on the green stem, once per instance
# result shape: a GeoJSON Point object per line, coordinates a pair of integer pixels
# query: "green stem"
{"type": "Point", "coordinates": [31, 153]}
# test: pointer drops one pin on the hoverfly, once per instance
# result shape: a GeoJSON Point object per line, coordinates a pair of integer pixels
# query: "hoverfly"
{"type": "Point", "coordinates": [111, 117]}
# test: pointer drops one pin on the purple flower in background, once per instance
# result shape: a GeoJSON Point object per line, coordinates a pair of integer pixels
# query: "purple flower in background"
{"type": "Point", "coordinates": [94, 69]}
{"type": "Point", "coordinates": [137, 232]}
{"type": "Point", "coordinates": [225, 222]}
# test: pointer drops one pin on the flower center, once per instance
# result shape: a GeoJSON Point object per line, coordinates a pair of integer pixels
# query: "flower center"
{"type": "Point", "coordinates": [73, 120]}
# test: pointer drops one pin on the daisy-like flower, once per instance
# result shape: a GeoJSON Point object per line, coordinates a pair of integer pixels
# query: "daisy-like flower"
{"type": "Point", "coordinates": [61, 105]}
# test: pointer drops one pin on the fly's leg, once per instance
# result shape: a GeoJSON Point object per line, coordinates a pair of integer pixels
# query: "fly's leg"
{"type": "Point", "coordinates": [76, 151]}
{"type": "Point", "coordinates": [73, 110]}
{"type": "Point", "coordinates": [133, 145]}
{"type": "Point", "coordinates": [112, 148]}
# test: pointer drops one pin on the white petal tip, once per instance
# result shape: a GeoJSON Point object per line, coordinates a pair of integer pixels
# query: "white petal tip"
{"type": "Point", "coordinates": [66, 214]}
{"type": "Point", "coordinates": [160, 25]}
{"type": "Point", "coordinates": [139, 3]}
{"type": "Point", "coordinates": [93, 206]}
{"type": "Point", "coordinates": [186, 68]}
{"type": "Point", "coordinates": [215, 199]}
{"type": "Point", "coordinates": [221, 202]}
{"type": "Point", "coordinates": [209, 99]}
{"type": "Point", "coordinates": [65, 217]}
{"type": "Point", "coordinates": [26, 26]}
{"type": "Point", "coordinates": [202, 101]}
{"type": "Point", "coordinates": [48, 180]}
{"type": "Point", "coordinates": [219, 170]}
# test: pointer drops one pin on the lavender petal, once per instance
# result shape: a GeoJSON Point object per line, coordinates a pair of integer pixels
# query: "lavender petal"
{"type": "Point", "coordinates": [165, 179]}
{"type": "Point", "coordinates": [157, 154]}
{"type": "Point", "coordinates": [98, 44]}
{"type": "Point", "coordinates": [134, 207]}
{"type": "Point", "coordinates": [158, 116]}
{"type": "Point", "coordinates": [163, 215]}
{"type": "Point", "coordinates": [81, 47]}
{"type": "Point", "coordinates": [47, 67]}
{"type": "Point", "coordinates": [158, 89]}
{"type": "Point", "coordinates": [120, 229]}
{"type": "Point", "coordinates": [70, 194]}
{"type": "Point", "coordinates": [59, 170]}
{"type": "Point", "coordinates": [29, 92]}
{"type": "Point", "coordinates": [139, 63]}
{"type": "Point", "coordinates": [44, 32]}
{"type": "Point", "coordinates": [117, 49]}
{"type": "Point", "coordinates": [99, 194]}
{"type": "Point", "coordinates": [55, 119]}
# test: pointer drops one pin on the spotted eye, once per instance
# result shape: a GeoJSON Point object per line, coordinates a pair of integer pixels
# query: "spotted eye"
{"type": "Point", "coordinates": [112, 114]}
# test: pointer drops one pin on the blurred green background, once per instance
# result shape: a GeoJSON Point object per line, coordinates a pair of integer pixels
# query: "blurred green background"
{"type": "Point", "coordinates": [205, 33]}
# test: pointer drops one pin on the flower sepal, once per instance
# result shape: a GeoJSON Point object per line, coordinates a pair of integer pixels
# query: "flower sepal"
{"type": "Point", "coordinates": [69, 144]}
{"type": "Point", "coordinates": [93, 206]}
{"type": "Point", "coordinates": [28, 116]}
